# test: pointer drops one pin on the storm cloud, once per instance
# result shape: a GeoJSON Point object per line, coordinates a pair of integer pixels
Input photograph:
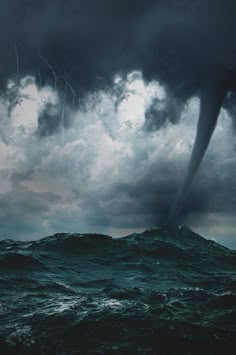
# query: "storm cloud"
{"type": "Point", "coordinates": [108, 167]}
{"type": "Point", "coordinates": [109, 174]}
{"type": "Point", "coordinates": [86, 42]}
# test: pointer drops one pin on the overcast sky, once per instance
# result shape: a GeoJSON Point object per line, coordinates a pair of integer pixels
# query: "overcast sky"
{"type": "Point", "coordinates": [108, 170]}
{"type": "Point", "coordinates": [98, 113]}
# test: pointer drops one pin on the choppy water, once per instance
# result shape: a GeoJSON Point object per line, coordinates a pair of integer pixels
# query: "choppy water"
{"type": "Point", "coordinates": [165, 291]}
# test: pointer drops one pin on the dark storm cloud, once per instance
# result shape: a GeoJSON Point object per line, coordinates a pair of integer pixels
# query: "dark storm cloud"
{"type": "Point", "coordinates": [188, 45]}
{"type": "Point", "coordinates": [159, 114]}
{"type": "Point", "coordinates": [49, 119]}
{"type": "Point", "coordinates": [78, 46]}
{"type": "Point", "coordinates": [87, 41]}
{"type": "Point", "coordinates": [111, 174]}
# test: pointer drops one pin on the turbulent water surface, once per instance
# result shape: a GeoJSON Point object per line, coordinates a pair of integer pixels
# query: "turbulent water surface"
{"type": "Point", "coordinates": [165, 291]}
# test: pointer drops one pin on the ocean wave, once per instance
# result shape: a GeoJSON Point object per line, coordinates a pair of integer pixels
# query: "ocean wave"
{"type": "Point", "coordinates": [18, 261]}
{"type": "Point", "coordinates": [146, 293]}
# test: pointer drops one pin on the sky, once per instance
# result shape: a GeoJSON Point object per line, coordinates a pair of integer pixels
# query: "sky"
{"type": "Point", "coordinates": [99, 106]}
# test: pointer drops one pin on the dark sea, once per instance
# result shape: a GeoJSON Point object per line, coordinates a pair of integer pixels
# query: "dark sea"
{"type": "Point", "coordinates": [164, 291]}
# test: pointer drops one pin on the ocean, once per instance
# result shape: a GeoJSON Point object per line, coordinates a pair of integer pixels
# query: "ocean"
{"type": "Point", "coordinates": [164, 291]}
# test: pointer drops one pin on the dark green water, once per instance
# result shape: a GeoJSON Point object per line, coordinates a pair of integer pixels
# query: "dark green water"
{"type": "Point", "coordinates": [165, 291]}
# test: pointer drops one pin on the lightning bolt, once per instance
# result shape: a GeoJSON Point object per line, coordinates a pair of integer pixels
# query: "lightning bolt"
{"type": "Point", "coordinates": [57, 77]}
{"type": "Point", "coordinates": [40, 77]}
{"type": "Point", "coordinates": [67, 84]}
{"type": "Point", "coordinates": [53, 71]}
{"type": "Point", "coordinates": [63, 117]}
{"type": "Point", "coordinates": [17, 64]}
